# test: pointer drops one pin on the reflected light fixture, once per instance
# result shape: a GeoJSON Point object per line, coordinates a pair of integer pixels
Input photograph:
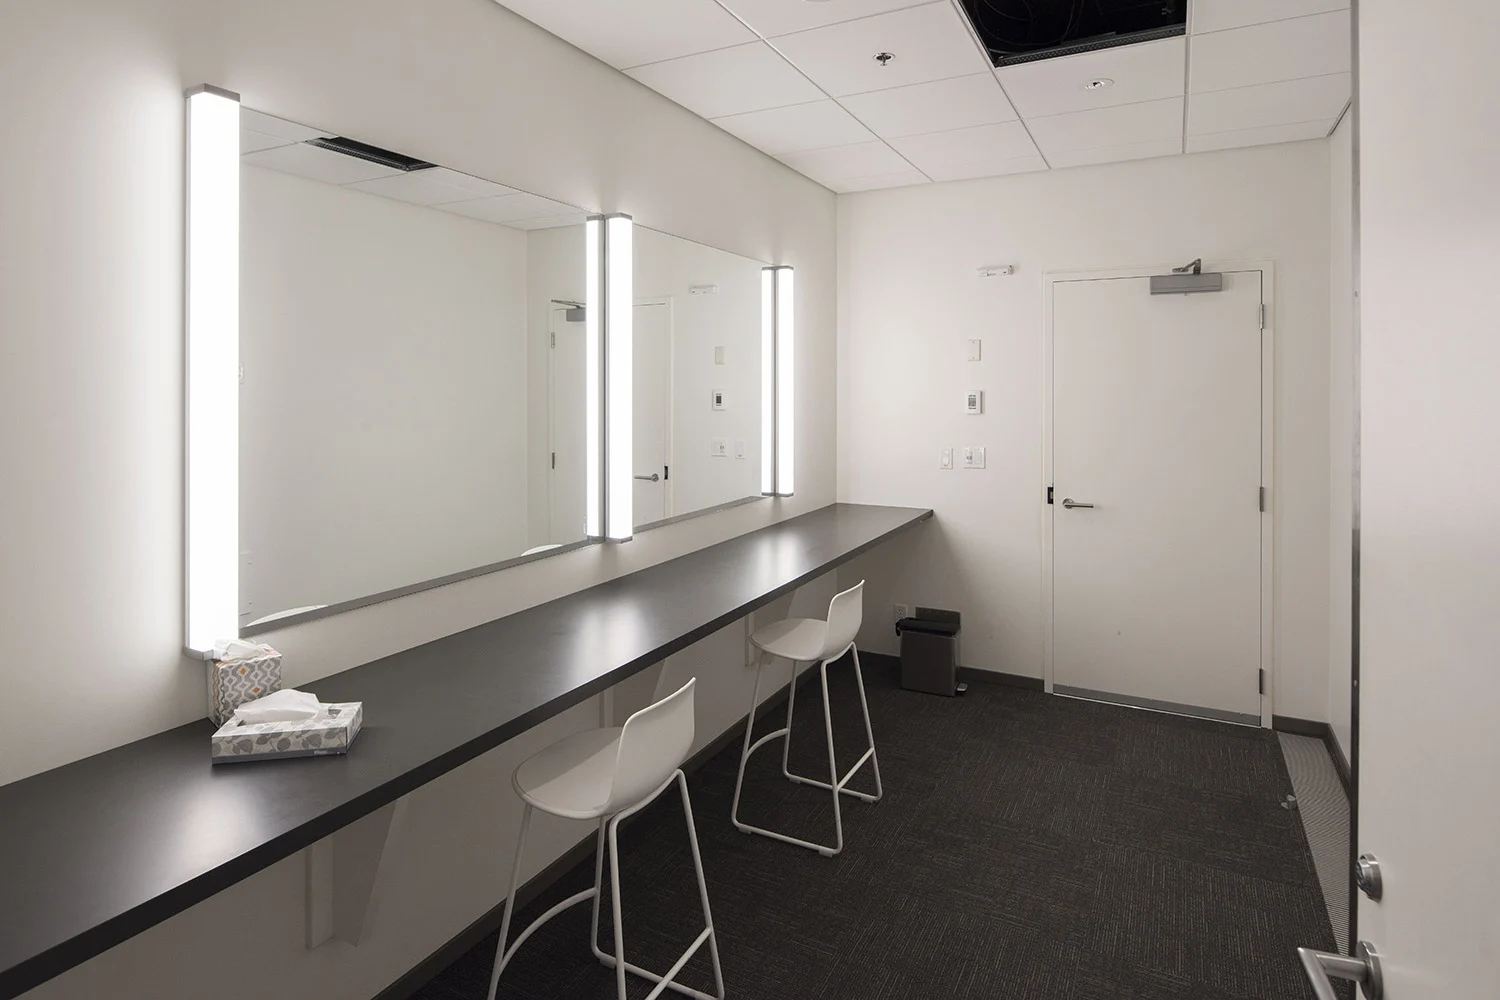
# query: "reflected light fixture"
{"type": "Point", "coordinates": [213, 347]}
{"type": "Point", "coordinates": [609, 381]}
{"type": "Point", "coordinates": [778, 340]}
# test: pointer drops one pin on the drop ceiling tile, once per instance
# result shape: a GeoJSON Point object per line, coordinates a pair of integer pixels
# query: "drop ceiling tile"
{"type": "Point", "coordinates": [477, 187]}
{"type": "Point", "coordinates": [416, 186]}
{"type": "Point", "coordinates": [1115, 154]}
{"type": "Point", "coordinates": [940, 106]}
{"type": "Point", "coordinates": [988, 168]}
{"type": "Point", "coordinates": [252, 141]}
{"type": "Point", "coordinates": [1217, 15]}
{"type": "Point", "coordinates": [318, 164]}
{"type": "Point", "coordinates": [862, 159]}
{"type": "Point", "coordinates": [259, 121]}
{"type": "Point", "coordinates": [1259, 136]}
{"type": "Point", "coordinates": [637, 32]}
{"type": "Point", "coordinates": [928, 42]}
{"type": "Point", "coordinates": [551, 221]}
{"type": "Point", "coordinates": [1265, 53]}
{"type": "Point", "coordinates": [729, 82]}
{"type": "Point", "coordinates": [781, 17]}
{"type": "Point", "coordinates": [1310, 99]}
{"type": "Point", "coordinates": [1117, 126]}
{"type": "Point", "coordinates": [1146, 71]}
{"type": "Point", "coordinates": [797, 128]}
{"type": "Point", "coordinates": [509, 208]}
{"type": "Point", "coordinates": [901, 178]}
{"type": "Point", "coordinates": [983, 143]}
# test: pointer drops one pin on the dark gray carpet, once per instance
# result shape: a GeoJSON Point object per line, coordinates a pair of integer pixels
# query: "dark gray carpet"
{"type": "Point", "coordinates": [1027, 847]}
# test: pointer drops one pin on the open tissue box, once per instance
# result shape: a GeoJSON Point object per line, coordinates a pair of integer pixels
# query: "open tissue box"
{"type": "Point", "coordinates": [240, 672]}
{"type": "Point", "coordinates": [287, 724]}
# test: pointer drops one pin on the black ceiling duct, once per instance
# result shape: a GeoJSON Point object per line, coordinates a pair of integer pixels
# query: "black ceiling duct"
{"type": "Point", "coordinates": [1020, 31]}
{"type": "Point", "coordinates": [374, 154]}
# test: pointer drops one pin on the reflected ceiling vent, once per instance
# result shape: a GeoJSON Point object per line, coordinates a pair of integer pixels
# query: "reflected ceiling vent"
{"type": "Point", "coordinates": [374, 154]}
{"type": "Point", "coordinates": [1022, 31]}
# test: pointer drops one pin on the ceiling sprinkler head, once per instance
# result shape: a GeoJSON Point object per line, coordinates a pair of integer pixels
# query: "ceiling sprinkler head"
{"type": "Point", "coordinates": [884, 58]}
{"type": "Point", "coordinates": [1099, 84]}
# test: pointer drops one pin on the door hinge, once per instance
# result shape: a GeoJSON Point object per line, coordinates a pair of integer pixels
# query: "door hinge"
{"type": "Point", "coordinates": [1261, 683]}
{"type": "Point", "coordinates": [554, 459]}
{"type": "Point", "coordinates": [1261, 499]}
{"type": "Point", "coordinates": [1262, 315]}
{"type": "Point", "coordinates": [554, 338]}
{"type": "Point", "coordinates": [1049, 494]}
{"type": "Point", "coordinates": [666, 473]}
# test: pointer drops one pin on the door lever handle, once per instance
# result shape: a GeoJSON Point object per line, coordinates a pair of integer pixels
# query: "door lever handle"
{"type": "Point", "coordinates": [1363, 968]}
{"type": "Point", "coordinates": [1070, 503]}
{"type": "Point", "coordinates": [654, 477]}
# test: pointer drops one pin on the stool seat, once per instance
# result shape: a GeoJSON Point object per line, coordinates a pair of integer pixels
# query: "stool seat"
{"type": "Point", "coordinates": [799, 639]}
{"type": "Point", "coordinates": [572, 778]}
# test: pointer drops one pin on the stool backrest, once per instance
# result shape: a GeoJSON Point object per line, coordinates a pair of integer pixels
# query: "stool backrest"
{"type": "Point", "coordinates": [845, 612]}
{"type": "Point", "coordinates": [653, 744]}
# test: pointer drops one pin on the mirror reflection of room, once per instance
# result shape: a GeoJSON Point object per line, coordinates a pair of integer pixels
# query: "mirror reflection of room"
{"type": "Point", "coordinates": [412, 371]}
{"type": "Point", "coordinates": [697, 367]}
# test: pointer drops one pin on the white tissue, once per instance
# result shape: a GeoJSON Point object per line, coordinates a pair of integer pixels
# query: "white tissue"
{"type": "Point", "coordinates": [282, 706]}
{"type": "Point", "coordinates": [239, 649]}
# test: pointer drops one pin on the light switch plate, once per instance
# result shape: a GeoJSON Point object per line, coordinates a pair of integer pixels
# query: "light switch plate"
{"type": "Point", "coordinates": [718, 448]}
{"type": "Point", "coordinates": [976, 347]}
{"type": "Point", "coordinates": [719, 355]}
{"type": "Point", "coordinates": [974, 402]}
{"type": "Point", "coordinates": [945, 459]}
{"type": "Point", "coordinates": [973, 457]}
{"type": "Point", "coordinates": [739, 449]}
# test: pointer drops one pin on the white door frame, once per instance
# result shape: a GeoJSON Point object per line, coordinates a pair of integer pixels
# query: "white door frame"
{"type": "Point", "coordinates": [668, 506]}
{"type": "Point", "coordinates": [1266, 267]}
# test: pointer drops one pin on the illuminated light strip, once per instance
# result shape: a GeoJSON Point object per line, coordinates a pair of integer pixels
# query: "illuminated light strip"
{"type": "Point", "coordinates": [778, 381]}
{"type": "Point", "coordinates": [212, 371]}
{"type": "Point", "coordinates": [610, 383]}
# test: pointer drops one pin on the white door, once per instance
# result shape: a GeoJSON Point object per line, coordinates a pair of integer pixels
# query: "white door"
{"type": "Point", "coordinates": [1156, 423]}
{"type": "Point", "coordinates": [653, 411]}
{"type": "Point", "coordinates": [1428, 744]}
{"type": "Point", "coordinates": [566, 408]}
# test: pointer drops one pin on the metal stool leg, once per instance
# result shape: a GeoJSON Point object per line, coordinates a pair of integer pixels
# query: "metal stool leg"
{"type": "Point", "coordinates": [617, 960]}
{"type": "Point", "coordinates": [510, 902]}
{"type": "Point", "coordinates": [869, 754]}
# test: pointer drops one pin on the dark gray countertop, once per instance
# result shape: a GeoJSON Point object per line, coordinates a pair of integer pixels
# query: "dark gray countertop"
{"type": "Point", "coordinates": [97, 851]}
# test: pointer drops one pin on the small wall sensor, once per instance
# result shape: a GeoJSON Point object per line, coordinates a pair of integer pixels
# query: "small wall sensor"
{"type": "Point", "coordinates": [703, 289]}
{"type": "Point", "coordinates": [996, 270]}
{"type": "Point", "coordinates": [974, 402]}
{"type": "Point", "coordinates": [718, 399]}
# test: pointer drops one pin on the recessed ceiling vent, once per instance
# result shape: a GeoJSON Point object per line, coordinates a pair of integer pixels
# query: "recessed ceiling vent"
{"type": "Point", "coordinates": [374, 154]}
{"type": "Point", "coordinates": [1021, 31]}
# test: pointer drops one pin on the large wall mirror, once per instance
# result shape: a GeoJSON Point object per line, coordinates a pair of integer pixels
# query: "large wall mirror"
{"type": "Point", "coordinates": [697, 371]}
{"type": "Point", "coordinates": [400, 376]}
{"type": "Point", "coordinates": [412, 373]}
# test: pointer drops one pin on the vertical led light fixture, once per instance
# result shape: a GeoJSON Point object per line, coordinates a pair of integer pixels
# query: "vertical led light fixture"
{"type": "Point", "coordinates": [778, 340]}
{"type": "Point", "coordinates": [213, 351]}
{"type": "Point", "coordinates": [768, 381]}
{"type": "Point", "coordinates": [593, 377]}
{"type": "Point", "coordinates": [610, 356]}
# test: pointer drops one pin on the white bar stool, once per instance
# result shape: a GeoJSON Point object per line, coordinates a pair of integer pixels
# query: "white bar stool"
{"type": "Point", "coordinates": [609, 774]}
{"type": "Point", "coordinates": [807, 640]}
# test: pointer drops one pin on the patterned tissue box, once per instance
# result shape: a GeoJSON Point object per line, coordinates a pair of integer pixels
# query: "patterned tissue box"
{"type": "Point", "coordinates": [329, 733]}
{"type": "Point", "coordinates": [231, 683]}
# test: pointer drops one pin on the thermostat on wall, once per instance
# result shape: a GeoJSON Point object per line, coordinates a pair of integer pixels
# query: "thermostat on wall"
{"type": "Point", "coordinates": [718, 399]}
{"type": "Point", "coordinates": [974, 401]}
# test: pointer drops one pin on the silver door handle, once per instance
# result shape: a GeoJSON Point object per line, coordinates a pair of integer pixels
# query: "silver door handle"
{"type": "Point", "coordinates": [654, 477]}
{"type": "Point", "coordinates": [1070, 503]}
{"type": "Point", "coordinates": [1364, 968]}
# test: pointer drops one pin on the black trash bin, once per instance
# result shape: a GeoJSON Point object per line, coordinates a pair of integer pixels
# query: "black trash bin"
{"type": "Point", "coordinates": [929, 652]}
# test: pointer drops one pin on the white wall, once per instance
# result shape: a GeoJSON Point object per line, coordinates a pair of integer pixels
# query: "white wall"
{"type": "Point", "coordinates": [909, 298]}
{"type": "Point", "coordinates": [91, 400]}
{"type": "Point", "coordinates": [666, 267]}
{"type": "Point", "coordinates": [383, 406]}
{"type": "Point", "coordinates": [1340, 429]}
